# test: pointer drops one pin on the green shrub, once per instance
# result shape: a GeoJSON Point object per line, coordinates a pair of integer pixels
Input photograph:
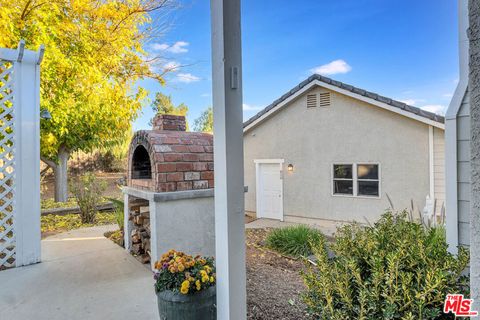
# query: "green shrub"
{"type": "Point", "coordinates": [50, 203]}
{"type": "Point", "coordinates": [47, 204]}
{"type": "Point", "coordinates": [294, 241]}
{"type": "Point", "coordinates": [395, 269]}
{"type": "Point", "coordinates": [88, 193]}
{"type": "Point", "coordinates": [119, 212]}
{"type": "Point", "coordinates": [55, 223]}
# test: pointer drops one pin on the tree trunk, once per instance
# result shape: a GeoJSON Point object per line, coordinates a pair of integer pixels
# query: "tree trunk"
{"type": "Point", "coordinates": [474, 89]}
{"type": "Point", "coordinates": [61, 175]}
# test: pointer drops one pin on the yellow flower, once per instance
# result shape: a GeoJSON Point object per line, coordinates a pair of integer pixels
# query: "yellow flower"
{"type": "Point", "coordinates": [205, 279]}
{"type": "Point", "coordinates": [198, 284]}
{"type": "Point", "coordinates": [181, 267]}
{"type": "Point", "coordinates": [186, 283]}
{"type": "Point", "coordinates": [212, 279]}
{"type": "Point", "coordinates": [184, 290]}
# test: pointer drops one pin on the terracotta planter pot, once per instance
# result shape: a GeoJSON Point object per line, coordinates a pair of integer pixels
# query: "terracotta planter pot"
{"type": "Point", "coordinates": [198, 306]}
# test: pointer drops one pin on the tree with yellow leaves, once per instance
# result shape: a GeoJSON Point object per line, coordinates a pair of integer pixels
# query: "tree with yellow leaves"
{"type": "Point", "coordinates": [94, 57]}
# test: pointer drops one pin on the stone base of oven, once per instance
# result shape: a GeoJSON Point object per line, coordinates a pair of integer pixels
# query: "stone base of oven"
{"type": "Point", "coordinates": [181, 220]}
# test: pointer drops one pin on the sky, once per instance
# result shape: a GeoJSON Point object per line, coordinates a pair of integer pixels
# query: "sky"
{"type": "Point", "coordinates": [403, 49]}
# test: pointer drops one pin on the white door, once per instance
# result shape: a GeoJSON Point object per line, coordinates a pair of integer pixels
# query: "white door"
{"type": "Point", "coordinates": [269, 191]}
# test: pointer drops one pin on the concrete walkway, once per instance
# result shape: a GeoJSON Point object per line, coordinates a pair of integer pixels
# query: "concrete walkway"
{"type": "Point", "coordinates": [82, 276]}
{"type": "Point", "coordinates": [327, 227]}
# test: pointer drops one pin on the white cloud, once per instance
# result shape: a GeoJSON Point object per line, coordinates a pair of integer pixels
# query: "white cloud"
{"type": "Point", "coordinates": [248, 107]}
{"type": "Point", "coordinates": [334, 67]}
{"type": "Point", "coordinates": [410, 102]}
{"type": "Point", "coordinates": [205, 95]}
{"type": "Point", "coordinates": [177, 47]}
{"type": "Point", "coordinates": [187, 78]}
{"type": "Point", "coordinates": [171, 66]}
{"type": "Point", "coordinates": [448, 95]}
{"type": "Point", "coordinates": [435, 108]}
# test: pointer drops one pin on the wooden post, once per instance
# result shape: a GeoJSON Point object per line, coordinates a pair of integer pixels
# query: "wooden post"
{"type": "Point", "coordinates": [228, 156]}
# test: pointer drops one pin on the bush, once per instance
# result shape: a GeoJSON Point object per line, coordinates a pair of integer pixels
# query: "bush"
{"type": "Point", "coordinates": [395, 269]}
{"type": "Point", "coordinates": [294, 241]}
{"type": "Point", "coordinates": [88, 193]}
{"type": "Point", "coordinates": [56, 223]}
{"type": "Point", "coordinates": [119, 212]}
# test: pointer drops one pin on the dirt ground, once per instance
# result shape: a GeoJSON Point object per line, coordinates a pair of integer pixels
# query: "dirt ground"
{"type": "Point", "coordinates": [274, 284]}
{"type": "Point", "coordinates": [112, 190]}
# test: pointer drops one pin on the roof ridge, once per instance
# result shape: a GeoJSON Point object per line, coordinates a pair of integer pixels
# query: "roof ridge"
{"type": "Point", "coordinates": [368, 94]}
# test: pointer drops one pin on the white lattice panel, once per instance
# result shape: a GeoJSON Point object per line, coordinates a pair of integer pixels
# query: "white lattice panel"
{"type": "Point", "coordinates": [7, 167]}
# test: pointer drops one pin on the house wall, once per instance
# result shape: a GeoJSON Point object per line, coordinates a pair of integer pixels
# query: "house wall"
{"type": "Point", "coordinates": [348, 131]}
{"type": "Point", "coordinates": [463, 171]}
{"type": "Point", "coordinates": [439, 168]}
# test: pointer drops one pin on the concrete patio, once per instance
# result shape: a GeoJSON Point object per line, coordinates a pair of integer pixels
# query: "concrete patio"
{"type": "Point", "coordinates": [327, 227]}
{"type": "Point", "coordinates": [82, 276]}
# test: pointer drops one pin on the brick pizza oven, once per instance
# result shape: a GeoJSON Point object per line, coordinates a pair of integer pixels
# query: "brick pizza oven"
{"type": "Point", "coordinates": [169, 198]}
{"type": "Point", "coordinates": [168, 159]}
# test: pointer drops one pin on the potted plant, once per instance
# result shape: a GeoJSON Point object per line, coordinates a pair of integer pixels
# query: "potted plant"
{"type": "Point", "coordinates": [185, 287]}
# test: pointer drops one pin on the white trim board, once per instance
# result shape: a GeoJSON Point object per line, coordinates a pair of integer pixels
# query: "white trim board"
{"type": "Point", "coordinates": [268, 161]}
{"type": "Point", "coordinates": [431, 162]}
{"type": "Point", "coordinates": [346, 93]}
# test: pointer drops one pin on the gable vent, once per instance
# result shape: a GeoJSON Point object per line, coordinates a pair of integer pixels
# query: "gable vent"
{"type": "Point", "coordinates": [312, 100]}
{"type": "Point", "coordinates": [325, 100]}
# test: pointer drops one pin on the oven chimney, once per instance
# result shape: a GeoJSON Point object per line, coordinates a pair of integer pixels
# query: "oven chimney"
{"type": "Point", "coordinates": [168, 122]}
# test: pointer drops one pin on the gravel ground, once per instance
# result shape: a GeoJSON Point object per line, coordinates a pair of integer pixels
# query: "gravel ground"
{"type": "Point", "coordinates": [273, 282]}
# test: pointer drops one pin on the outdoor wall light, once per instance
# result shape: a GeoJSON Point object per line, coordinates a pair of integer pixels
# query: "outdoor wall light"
{"type": "Point", "coordinates": [290, 167]}
{"type": "Point", "coordinates": [45, 114]}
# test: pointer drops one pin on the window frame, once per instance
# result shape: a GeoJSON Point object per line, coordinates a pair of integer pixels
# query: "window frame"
{"type": "Point", "coordinates": [343, 179]}
{"type": "Point", "coordinates": [355, 179]}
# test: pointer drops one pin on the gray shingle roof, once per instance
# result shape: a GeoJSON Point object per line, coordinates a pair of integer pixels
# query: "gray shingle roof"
{"type": "Point", "coordinates": [341, 85]}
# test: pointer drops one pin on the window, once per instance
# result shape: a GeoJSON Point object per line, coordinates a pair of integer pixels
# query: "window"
{"type": "Point", "coordinates": [367, 179]}
{"type": "Point", "coordinates": [343, 179]}
{"type": "Point", "coordinates": [356, 179]}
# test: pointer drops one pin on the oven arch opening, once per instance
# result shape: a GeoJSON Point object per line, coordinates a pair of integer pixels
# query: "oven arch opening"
{"type": "Point", "coordinates": [141, 165]}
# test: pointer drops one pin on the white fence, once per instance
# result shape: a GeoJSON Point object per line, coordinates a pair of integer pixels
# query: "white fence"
{"type": "Point", "coordinates": [19, 156]}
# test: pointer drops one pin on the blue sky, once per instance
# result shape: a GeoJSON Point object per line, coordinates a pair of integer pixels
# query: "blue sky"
{"type": "Point", "coordinates": [403, 49]}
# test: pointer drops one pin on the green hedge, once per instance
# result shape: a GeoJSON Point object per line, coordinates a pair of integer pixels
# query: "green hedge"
{"type": "Point", "coordinates": [395, 269]}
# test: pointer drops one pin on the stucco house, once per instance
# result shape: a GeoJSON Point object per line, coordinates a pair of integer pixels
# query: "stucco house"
{"type": "Point", "coordinates": [328, 150]}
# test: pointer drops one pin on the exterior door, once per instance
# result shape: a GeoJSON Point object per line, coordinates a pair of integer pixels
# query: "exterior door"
{"type": "Point", "coordinates": [269, 190]}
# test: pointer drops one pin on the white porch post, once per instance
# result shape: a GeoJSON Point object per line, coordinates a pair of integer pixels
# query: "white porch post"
{"type": "Point", "coordinates": [27, 155]}
{"type": "Point", "coordinates": [127, 225]}
{"type": "Point", "coordinates": [228, 156]}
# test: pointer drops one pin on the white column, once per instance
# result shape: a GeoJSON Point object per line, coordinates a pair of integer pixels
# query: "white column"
{"type": "Point", "coordinates": [153, 235]}
{"type": "Point", "coordinates": [127, 225]}
{"type": "Point", "coordinates": [27, 157]}
{"type": "Point", "coordinates": [228, 146]}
